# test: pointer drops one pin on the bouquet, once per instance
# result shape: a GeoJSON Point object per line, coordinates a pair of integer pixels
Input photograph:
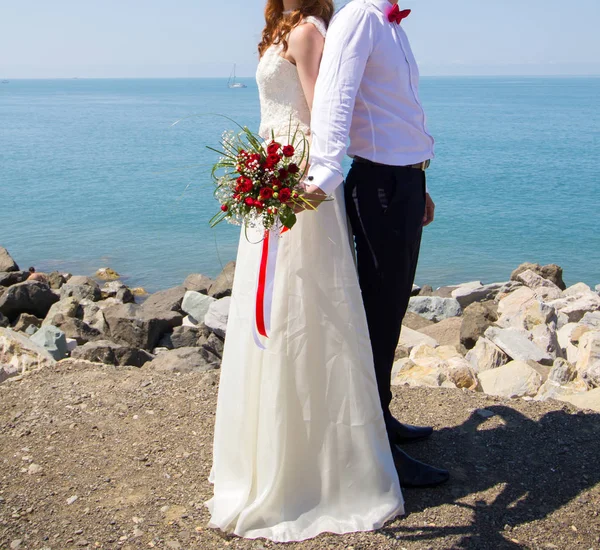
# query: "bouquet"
{"type": "Point", "coordinates": [258, 181]}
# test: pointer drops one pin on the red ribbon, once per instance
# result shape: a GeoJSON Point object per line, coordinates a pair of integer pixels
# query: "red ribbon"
{"type": "Point", "coordinates": [396, 15]}
{"type": "Point", "coordinates": [260, 292]}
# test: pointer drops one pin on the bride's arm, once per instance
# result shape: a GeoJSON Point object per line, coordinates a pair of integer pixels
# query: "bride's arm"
{"type": "Point", "coordinates": [305, 49]}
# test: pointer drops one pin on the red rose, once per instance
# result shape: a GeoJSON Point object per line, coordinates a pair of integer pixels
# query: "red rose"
{"type": "Point", "coordinates": [244, 185]}
{"type": "Point", "coordinates": [266, 193]}
{"type": "Point", "coordinates": [293, 168]}
{"type": "Point", "coordinates": [259, 204]}
{"type": "Point", "coordinates": [275, 182]}
{"type": "Point", "coordinates": [224, 207]}
{"type": "Point", "coordinates": [273, 147]}
{"type": "Point", "coordinates": [285, 194]}
{"type": "Point", "coordinates": [283, 173]}
{"type": "Point", "coordinates": [288, 151]}
{"type": "Point", "coordinates": [249, 201]}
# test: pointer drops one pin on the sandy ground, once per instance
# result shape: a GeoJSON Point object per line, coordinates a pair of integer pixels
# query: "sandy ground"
{"type": "Point", "coordinates": [97, 457]}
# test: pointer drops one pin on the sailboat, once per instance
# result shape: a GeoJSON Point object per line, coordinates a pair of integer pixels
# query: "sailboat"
{"type": "Point", "coordinates": [232, 83]}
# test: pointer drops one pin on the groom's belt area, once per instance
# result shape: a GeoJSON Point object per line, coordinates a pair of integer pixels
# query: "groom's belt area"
{"type": "Point", "coordinates": [419, 166]}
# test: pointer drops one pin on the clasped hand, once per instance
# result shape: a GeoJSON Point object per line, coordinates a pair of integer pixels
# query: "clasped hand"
{"type": "Point", "coordinates": [310, 197]}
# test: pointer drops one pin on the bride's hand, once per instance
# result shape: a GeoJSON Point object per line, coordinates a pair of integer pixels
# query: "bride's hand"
{"type": "Point", "coordinates": [310, 198]}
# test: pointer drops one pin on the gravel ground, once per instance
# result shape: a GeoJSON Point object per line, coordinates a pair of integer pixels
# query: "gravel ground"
{"type": "Point", "coordinates": [98, 457]}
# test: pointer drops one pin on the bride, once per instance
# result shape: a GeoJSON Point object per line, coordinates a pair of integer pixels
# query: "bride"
{"type": "Point", "coordinates": [300, 444]}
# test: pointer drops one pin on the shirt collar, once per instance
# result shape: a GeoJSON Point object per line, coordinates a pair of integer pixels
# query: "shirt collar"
{"type": "Point", "coordinates": [384, 6]}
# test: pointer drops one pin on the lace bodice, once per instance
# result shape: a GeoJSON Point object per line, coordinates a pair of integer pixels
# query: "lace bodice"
{"type": "Point", "coordinates": [281, 95]}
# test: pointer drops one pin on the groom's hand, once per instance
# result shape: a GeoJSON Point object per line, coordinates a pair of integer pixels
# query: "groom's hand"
{"type": "Point", "coordinates": [310, 198]}
{"type": "Point", "coordinates": [429, 215]}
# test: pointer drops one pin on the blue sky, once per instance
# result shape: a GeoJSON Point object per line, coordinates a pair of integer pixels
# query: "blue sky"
{"type": "Point", "coordinates": [195, 38]}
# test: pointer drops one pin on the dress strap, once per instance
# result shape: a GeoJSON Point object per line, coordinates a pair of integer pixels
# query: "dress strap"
{"type": "Point", "coordinates": [317, 22]}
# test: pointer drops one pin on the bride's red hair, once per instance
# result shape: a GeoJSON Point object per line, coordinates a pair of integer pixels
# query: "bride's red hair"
{"type": "Point", "coordinates": [279, 25]}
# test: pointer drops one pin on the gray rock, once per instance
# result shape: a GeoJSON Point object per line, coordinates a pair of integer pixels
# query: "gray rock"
{"type": "Point", "coordinates": [476, 319]}
{"type": "Point", "coordinates": [165, 300]}
{"type": "Point", "coordinates": [471, 292]}
{"type": "Point", "coordinates": [81, 288]}
{"type": "Point", "coordinates": [446, 332]}
{"type": "Point", "coordinates": [67, 307]}
{"type": "Point", "coordinates": [56, 280]}
{"type": "Point", "coordinates": [24, 321]}
{"type": "Point", "coordinates": [434, 308]}
{"type": "Point", "coordinates": [215, 345]}
{"type": "Point", "coordinates": [562, 372]}
{"type": "Point", "coordinates": [574, 307]}
{"type": "Point", "coordinates": [591, 319]}
{"type": "Point", "coordinates": [427, 290]}
{"type": "Point", "coordinates": [203, 334]}
{"type": "Point", "coordinates": [53, 340]}
{"type": "Point", "coordinates": [486, 355]}
{"type": "Point", "coordinates": [184, 337]}
{"type": "Point", "coordinates": [9, 278]}
{"type": "Point", "coordinates": [139, 327]}
{"type": "Point", "coordinates": [8, 371]}
{"type": "Point", "coordinates": [578, 288]}
{"type": "Point", "coordinates": [196, 305]}
{"type": "Point", "coordinates": [19, 352]}
{"type": "Point", "coordinates": [544, 289]}
{"type": "Point", "coordinates": [588, 361]}
{"type": "Point", "coordinates": [516, 344]}
{"type": "Point", "coordinates": [77, 329]}
{"type": "Point", "coordinates": [31, 330]}
{"type": "Point", "coordinates": [184, 360]}
{"type": "Point", "coordinates": [217, 315]}
{"type": "Point", "coordinates": [552, 272]}
{"type": "Point", "coordinates": [223, 283]}
{"type": "Point", "coordinates": [119, 291]}
{"type": "Point", "coordinates": [109, 353]}
{"type": "Point", "coordinates": [29, 297]}
{"type": "Point", "coordinates": [515, 379]}
{"type": "Point", "coordinates": [597, 289]}
{"type": "Point", "coordinates": [415, 322]}
{"type": "Point", "coordinates": [197, 282]}
{"type": "Point", "coordinates": [6, 262]}
{"type": "Point", "coordinates": [411, 338]}
{"type": "Point", "coordinates": [91, 313]}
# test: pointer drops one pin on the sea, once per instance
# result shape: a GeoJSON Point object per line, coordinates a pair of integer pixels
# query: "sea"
{"type": "Point", "coordinates": [94, 173]}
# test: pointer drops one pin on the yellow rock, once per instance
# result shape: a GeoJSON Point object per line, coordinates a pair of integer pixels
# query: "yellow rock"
{"type": "Point", "coordinates": [107, 274]}
{"type": "Point", "coordinates": [139, 291]}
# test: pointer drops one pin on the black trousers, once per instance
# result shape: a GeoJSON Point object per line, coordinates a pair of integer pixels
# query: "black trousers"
{"type": "Point", "coordinates": [386, 205]}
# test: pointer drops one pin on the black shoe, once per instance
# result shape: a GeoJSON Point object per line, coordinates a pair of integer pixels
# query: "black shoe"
{"type": "Point", "coordinates": [405, 433]}
{"type": "Point", "coordinates": [413, 473]}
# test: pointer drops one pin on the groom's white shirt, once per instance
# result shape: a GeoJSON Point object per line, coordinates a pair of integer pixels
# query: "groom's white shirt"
{"type": "Point", "coordinates": [367, 91]}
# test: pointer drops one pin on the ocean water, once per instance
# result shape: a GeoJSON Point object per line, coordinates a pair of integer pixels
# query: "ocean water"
{"type": "Point", "coordinates": [93, 173]}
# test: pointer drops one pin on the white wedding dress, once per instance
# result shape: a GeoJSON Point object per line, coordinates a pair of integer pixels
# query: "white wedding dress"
{"type": "Point", "coordinates": [300, 444]}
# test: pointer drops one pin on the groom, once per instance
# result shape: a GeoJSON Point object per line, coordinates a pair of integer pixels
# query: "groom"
{"type": "Point", "coordinates": [367, 92]}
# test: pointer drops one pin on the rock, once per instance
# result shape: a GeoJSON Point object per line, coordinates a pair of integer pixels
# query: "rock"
{"type": "Point", "coordinates": [544, 336]}
{"type": "Point", "coordinates": [189, 322]}
{"type": "Point", "coordinates": [184, 360]}
{"type": "Point", "coordinates": [66, 307]}
{"type": "Point", "coordinates": [414, 321]}
{"type": "Point", "coordinates": [410, 338]}
{"type": "Point", "coordinates": [203, 334]}
{"type": "Point", "coordinates": [6, 262]}
{"type": "Point", "coordinates": [578, 332]}
{"type": "Point", "coordinates": [139, 326]}
{"type": "Point", "coordinates": [569, 350]}
{"type": "Point", "coordinates": [109, 353]}
{"type": "Point", "coordinates": [223, 283]}
{"type": "Point", "coordinates": [31, 297]}
{"type": "Point", "coordinates": [8, 371]}
{"type": "Point", "coordinates": [553, 390]}
{"type": "Point", "coordinates": [91, 314]}
{"type": "Point", "coordinates": [215, 345]}
{"type": "Point", "coordinates": [56, 280]}
{"type": "Point", "coordinates": [588, 400]}
{"type": "Point", "coordinates": [591, 319]}
{"type": "Point", "coordinates": [107, 274]}
{"type": "Point", "coordinates": [413, 375]}
{"type": "Point", "coordinates": [575, 307]}
{"type": "Point", "coordinates": [24, 321]}
{"type": "Point", "coordinates": [139, 291]}
{"type": "Point", "coordinates": [415, 290]}
{"type": "Point", "coordinates": [435, 308]}
{"type": "Point", "coordinates": [119, 291]}
{"type": "Point", "coordinates": [543, 288]}
{"type": "Point", "coordinates": [446, 332]}
{"type": "Point", "coordinates": [77, 329]}
{"type": "Point", "coordinates": [522, 309]}
{"type": "Point", "coordinates": [197, 282]}
{"type": "Point", "coordinates": [562, 372]}
{"type": "Point", "coordinates": [81, 288]}
{"type": "Point", "coordinates": [426, 290]}
{"type": "Point", "coordinates": [196, 305]}
{"type": "Point", "coordinates": [460, 373]}
{"type": "Point", "coordinates": [516, 344]}
{"type": "Point", "coordinates": [552, 272]}
{"type": "Point", "coordinates": [217, 315]}
{"type": "Point", "coordinates": [579, 288]}
{"type": "Point", "coordinates": [9, 278]}
{"type": "Point", "coordinates": [4, 322]}
{"type": "Point", "coordinates": [53, 340]}
{"type": "Point", "coordinates": [477, 292]}
{"type": "Point", "coordinates": [71, 344]}
{"type": "Point", "coordinates": [486, 355]}
{"type": "Point", "coordinates": [184, 337]}
{"type": "Point", "coordinates": [588, 361]}
{"type": "Point", "coordinates": [476, 319]}
{"type": "Point", "coordinates": [515, 379]}
{"type": "Point", "coordinates": [165, 300]}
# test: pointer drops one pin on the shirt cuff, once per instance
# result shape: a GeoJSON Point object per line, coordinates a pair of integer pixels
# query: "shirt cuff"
{"type": "Point", "coordinates": [325, 179]}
